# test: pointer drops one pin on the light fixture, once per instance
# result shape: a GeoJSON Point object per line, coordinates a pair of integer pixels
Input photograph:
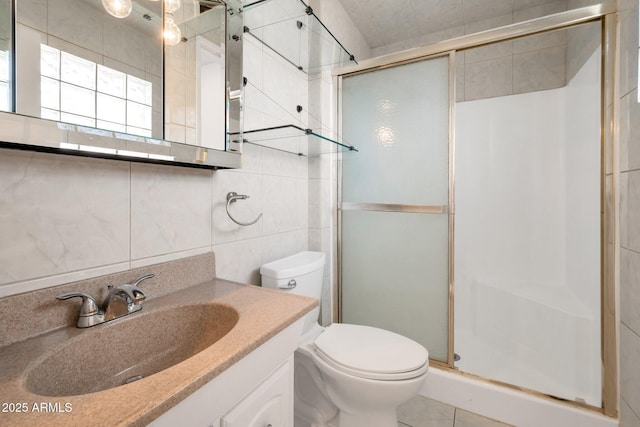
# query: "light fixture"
{"type": "Point", "coordinates": [171, 6]}
{"type": "Point", "coordinates": [172, 34]}
{"type": "Point", "coordinates": [117, 8]}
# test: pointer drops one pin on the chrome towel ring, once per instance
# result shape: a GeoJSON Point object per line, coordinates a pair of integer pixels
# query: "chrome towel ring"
{"type": "Point", "coordinates": [231, 198]}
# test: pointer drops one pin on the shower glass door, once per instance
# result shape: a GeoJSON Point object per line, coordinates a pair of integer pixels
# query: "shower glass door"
{"type": "Point", "coordinates": [395, 201]}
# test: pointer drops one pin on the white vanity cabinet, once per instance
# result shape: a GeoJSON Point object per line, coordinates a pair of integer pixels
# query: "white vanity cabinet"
{"type": "Point", "coordinates": [257, 391]}
{"type": "Point", "coordinates": [271, 404]}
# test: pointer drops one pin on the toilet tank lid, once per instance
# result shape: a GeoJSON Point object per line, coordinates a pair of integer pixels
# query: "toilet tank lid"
{"type": "Point", "coordinates": [294, 265]}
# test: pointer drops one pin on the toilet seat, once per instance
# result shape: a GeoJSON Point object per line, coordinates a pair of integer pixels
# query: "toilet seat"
{"type": "Point", "coordinates": [371, 353]}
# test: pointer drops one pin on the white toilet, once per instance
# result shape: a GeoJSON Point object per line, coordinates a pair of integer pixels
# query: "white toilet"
{"type": "Point", "coordinates": [345, 375]}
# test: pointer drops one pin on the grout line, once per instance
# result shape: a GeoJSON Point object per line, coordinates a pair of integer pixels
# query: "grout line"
{"type": "Point", "coordinates": [455, 412]}
{"type": "Point", "coordinates": [631, 329]}
{"type": "Point", "coordinates": [635, 251]}
{"type": "Point", "coordinates": [632, 409]}
{"type": "Point", "coordinates": [630, 170]}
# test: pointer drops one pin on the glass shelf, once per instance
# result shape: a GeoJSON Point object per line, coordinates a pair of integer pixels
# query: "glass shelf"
{"type": "Point", "coordinates": [293, 139]}
{"type": "Point", "coordinates": [294, 32]}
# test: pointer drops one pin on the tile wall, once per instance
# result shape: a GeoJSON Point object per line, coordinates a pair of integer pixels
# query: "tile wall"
{"type": "Point", "coordinates": [629, 158]}
{"type": "Point", "coordinates": [502, 68]}
{"type": "Point", "coordinates": [65, 218]}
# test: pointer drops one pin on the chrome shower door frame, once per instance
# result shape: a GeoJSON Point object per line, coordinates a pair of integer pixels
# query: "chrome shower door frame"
{"type": "Point", "coordinates": [606, 13]}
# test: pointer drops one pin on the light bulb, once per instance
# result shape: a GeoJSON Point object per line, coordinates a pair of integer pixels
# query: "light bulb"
{"type": "Point", "coordinates": [117, 8]}
{"type": "Point", "coordinates": [172, 33]}
{"type": "Point", "coordinates": [171, 6]}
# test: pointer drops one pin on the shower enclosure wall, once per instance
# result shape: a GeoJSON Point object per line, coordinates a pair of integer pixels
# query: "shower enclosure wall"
{"type": "Point", "coordinates": [505, 270]}
{"type": "Point", "coordinates": [527, 242]}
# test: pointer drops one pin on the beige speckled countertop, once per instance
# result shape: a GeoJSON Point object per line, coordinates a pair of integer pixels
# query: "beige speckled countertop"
{"type": "Point", "coordinates": [262, 314]}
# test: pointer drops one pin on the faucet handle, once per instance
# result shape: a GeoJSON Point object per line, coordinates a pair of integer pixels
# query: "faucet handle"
{"type": "Point", "coordinates": [133, 292]}
{"type": "Point", "coordinates": [141, 278]}
{"type": "Point", "coordinates": [89, 305]}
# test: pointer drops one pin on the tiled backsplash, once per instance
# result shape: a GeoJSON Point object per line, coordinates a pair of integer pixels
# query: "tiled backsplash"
{"type": "Point", "coordinates": [28, 314]}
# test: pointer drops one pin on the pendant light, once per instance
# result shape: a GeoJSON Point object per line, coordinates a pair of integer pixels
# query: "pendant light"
{"type": "Point", "coordinates": [118, 8]}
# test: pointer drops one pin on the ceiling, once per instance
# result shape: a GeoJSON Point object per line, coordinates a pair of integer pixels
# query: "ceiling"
{"type": "Point", "coordinates": [384, 22]}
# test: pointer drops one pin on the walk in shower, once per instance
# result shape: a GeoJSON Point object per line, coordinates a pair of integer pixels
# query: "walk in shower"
{"type": "Point", "coordinates": [473, 218]}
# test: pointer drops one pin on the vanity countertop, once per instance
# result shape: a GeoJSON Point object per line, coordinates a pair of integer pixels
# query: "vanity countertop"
{"type": "Point", "coordinates": [262, 314]}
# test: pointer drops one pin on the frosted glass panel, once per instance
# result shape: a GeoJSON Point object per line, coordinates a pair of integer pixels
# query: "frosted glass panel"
{"type": "Point", "coordinates": [78, 71]}
{"type": "Point", "coordinates": [138, 115]}
{"type": "Point", "coordinates": [49, 61]}
{"type": "Point", "coordinates": [139, 90]}
{"type": "Point", "coordinates": [399, 120]}
{"type": "Point", "coordinates": [111, 108]}
{"type": "Point", "coordinates": [4, 66]}
{"type": "Point", "coordinates": [396, 277]}
{"type": "Point", "coordinates": [395, 265]}
{"type": "Point", "coordinates": [77, 100]}
{"type": "Point", "coordinates": [112, 81]}
{"type": "Point", "coordinates": [50, 93]}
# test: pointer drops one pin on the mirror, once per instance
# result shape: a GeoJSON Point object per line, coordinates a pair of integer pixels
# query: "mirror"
{"type": "Point", "coordinates": [140, 77]}
{"type": "Point", "coordinates": [5, 55]}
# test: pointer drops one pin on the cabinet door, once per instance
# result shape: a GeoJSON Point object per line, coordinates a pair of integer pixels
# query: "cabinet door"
{"type": "Point", "coordinates": [269, 405]}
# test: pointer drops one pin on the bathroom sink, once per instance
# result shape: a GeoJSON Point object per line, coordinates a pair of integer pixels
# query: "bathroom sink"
{"type": "Point", "coordinates": [129, 349]}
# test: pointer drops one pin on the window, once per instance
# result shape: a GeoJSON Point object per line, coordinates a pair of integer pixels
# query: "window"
{"type": "Point", "coordinates": [79, 91]}
{"type": "Point", "coordinates": [5, 84]}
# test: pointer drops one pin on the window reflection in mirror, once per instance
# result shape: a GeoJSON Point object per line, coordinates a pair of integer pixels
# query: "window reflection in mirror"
{"type": "Point", "coordinates": [89, 68]}
{"type": "Point", "coordinates": [5, 55]}
{"type": "Point", "coordinates": [79, 64]}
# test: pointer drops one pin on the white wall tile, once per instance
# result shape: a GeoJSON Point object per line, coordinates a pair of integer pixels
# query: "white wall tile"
{"type": "Point", "coordinates": [319, 203]}
{"type": "Point", "coordinates": [629, 210]}
{"type": "Point", "coordinates": [491, 51]}
{"type": "Point", "coordinates": [280, 163]}
{"type": "Point", "coordinates": [629, 131]}
{"type": "Point", "coordinates": [539, 70]}
{"type": "Point", "coordinates": [488, 78]}
{"type": "Point", "coordinates": [540, 41]}
{"type": "Point", "coordinates": [629, 372]}
{"type": "Point", "coordinates": [629, 52]}
{"type": "Point", "coordinates": [170, 209]}
{"type": "Point", "coordinates": [537, 11]}
{"type": "Point", "coordinates": [477, 10]}
{"type": "Point", "coordinates": [252, 60]}
{"type": "Point", "coordinates": [280, 245]}
{"type": "Point", "coordinates": [83, 27]}
{"type": "Point", "coordinates": [32, 13]}
{"type": "Point", "coordinates": [629, 292]}
{"type": "Point", "coordinates": [223, 228]}
{"type": "Point", "coordinates": [280, 207]}
{"type": "Point", "coordinates": [239, 261]}
{"type": "Point", "coordinates": [628, 417]}
{"type": "Point", "coordinates": [61, 214]}
{"type": "Point", "coordinates": [252, 156]}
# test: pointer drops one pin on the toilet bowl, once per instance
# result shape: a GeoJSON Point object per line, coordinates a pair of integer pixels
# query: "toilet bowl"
{"type": "Point", "coordinates": [345, 375]}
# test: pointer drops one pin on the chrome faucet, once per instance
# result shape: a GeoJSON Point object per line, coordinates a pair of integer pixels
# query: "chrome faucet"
{"type": "Point", "coordinates": [120, 301]}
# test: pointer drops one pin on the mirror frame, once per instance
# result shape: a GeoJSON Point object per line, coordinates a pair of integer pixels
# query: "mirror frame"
{"type": "Point", "coordinates": [36, 134]}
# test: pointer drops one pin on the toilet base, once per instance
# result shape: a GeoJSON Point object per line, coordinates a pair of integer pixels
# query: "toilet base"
{"type": "Point", "coordinates": [379, 419]}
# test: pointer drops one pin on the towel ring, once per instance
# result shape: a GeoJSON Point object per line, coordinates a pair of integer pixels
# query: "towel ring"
{"type": "Point", "coordinates": [231, 198]}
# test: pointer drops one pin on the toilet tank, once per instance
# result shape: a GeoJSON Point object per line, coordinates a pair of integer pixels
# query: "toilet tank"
{"type": "Point", "coordinates": [299, 274]}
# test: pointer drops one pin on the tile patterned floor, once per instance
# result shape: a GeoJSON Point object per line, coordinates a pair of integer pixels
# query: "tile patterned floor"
{"type": "Point", "coordinates": [424, 412]}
